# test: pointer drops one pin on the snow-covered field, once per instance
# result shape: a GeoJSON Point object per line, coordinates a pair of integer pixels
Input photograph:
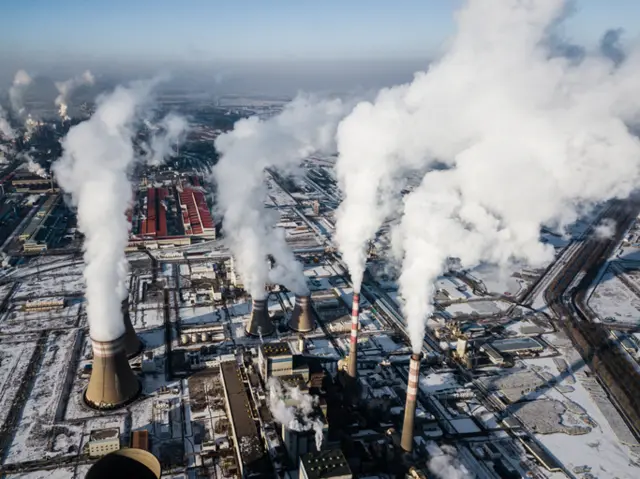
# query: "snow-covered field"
{"type": "Point", "coordinates": [613, 301]}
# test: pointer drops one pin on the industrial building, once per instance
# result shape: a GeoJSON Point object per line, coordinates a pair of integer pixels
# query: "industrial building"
{"type": "Point", "coordinates": [46, 227]}
{"type": "Point", "coordinates": [526, 345]}
{"type": "Point", "coordinates": [329, 464]}
{"type": "Point", "coordinates": [277, 359]}
{"type": "Point", "coordinates": [250, 453]}
{"type": "Point", "coordinates": [104, 441]}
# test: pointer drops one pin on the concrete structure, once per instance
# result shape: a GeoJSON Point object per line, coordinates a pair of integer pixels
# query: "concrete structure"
{"type": "Point", "coordinates": [103, 441]}
{"type": "Point", "coordinates": [125, 463]}
{"type": "Point", "coordinates": [352, 366]}
{"type": "Point", "coordinates": [301, 318]}
{"type": "Point", "coordinates": [275, 359]}
{"type": "Point", "coordinates": [112, 383]}
{"type": "Point", "coordinates": [410, 408]}
{"type": "Point", "coordinates": [329, 464]}
{"type": "Point", "coordinates": [259, 323]}
{"type": "Point", "coordinates": [132, 343]}
{"type": "Point", "coordinates": [299, 443]}
{"type": "Point", "coordinates": [524, 345]}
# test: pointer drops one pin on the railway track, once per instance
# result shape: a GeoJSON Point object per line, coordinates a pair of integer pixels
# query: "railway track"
{"type": "Point", "coordinates": [616, 373]}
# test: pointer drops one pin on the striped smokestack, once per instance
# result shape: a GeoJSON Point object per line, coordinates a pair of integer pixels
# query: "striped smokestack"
{"type": "Point", "coordinates": [301, 319]}
{"type": "Point", "coordinates": [112, 383]}
{"type": "Point", "coordinates": [353, 348]}
{"type": "Point", "coordinates": [410, 408]}
{"type": "Point", "coordinates": [259, 323]}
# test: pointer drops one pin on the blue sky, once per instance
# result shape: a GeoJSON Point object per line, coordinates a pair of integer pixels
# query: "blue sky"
{"type": "Point", "coordinates": [219, 30]}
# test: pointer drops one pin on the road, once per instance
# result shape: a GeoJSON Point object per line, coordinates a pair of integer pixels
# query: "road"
{"type": "Point", "coordinates": [617, 374]}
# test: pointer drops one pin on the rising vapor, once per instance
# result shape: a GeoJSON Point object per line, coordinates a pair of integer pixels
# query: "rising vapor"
{"type": "Point", "coordinates": [65, 88]}
{"type": "Point", "coordinates": [98, 155]}
{"type": "Point", "coordinates": [304, 127]}
{"type": "Point", "coordinates": [6, 131]}
{"type": "Point", "coordinates": [21, 82]}
{"type": "Point", "coordinates": [173, 130]}
{"type": "Point", "coordinates": [297, 416]}
{"type": "Point", "coordinates": [32, 165]}
{"type": "Point", "coordinates": [522, 137]}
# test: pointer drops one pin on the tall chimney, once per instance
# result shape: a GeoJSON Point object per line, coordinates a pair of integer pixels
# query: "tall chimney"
{"type": "Point", "coordinates": [132, 343]}
{"type": "Point", "coordinates": [410, 407]}
{"type": "Point", "coordinates": [259, 323]}
{"type": "Point", "coordinates": [352, 366]}
{"type": "Point", "coordinates": [112, 383]}
{"type": "Point", "coordinates": [301, 319]}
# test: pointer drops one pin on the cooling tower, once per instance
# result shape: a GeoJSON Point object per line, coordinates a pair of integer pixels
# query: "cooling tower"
{"type": "Point", "coordinates": [112, 383]}
{"type": "Point", "coordinates": [352, 366]}
{"type": "Point", "coordinates": [410, 408]}
{"type": "Point", "coordinates": [127, 463]}
{"type": "Point", "coordinates": [132, 344]}
{"type": "Point", "coordinates": [301, 319]}
{"type": "Point", "coordinates": [259, 323]}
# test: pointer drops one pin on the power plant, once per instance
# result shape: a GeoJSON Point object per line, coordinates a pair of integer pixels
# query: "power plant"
{"type": "Point", "coordinates": [352, 366]}
{"type": "Point", "coordinates": [112, 384]}
{"type": "Point", "coordinates": [301, 318]}
{"type": "Point", "coordinates": [132, 343]}
{"type": "Point", "coordinates": [259, 323]}
{"type": "Point", "coordinates": [410, 408]}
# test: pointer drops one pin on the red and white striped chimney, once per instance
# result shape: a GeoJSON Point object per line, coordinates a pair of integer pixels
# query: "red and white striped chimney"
{"type": "Point", "coordinates": [410, 408]}
{"type": "Point", "coordinates": [352, 367]}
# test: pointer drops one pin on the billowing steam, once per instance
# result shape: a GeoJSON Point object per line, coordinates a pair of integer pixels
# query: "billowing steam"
{"type": "Point", "coordinates": [173, 130]}
{"type": "Point", "coordinates": [521, 139]}
{"type": "Point", "coordinates": [21, 82]}
{"type": "Point", "coordinates": [304, 127]}
{"type": "Point", "coordinates": [98, 155]}
{"type": "Point", "coordinates": [6, 131]}
{"type": "Point", "coordinates": [33, 166]}
{"type": "Point", "coordinates": [605, 229]}
{"type": "Point", "coordinates": [445, 464]}
{"type": "Point", "coordinates": [299, 416]}
{"type": "Point", "coordinates": [65, 88]}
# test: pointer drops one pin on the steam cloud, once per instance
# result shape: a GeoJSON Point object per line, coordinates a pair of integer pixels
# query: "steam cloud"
{"type": "Point", "coordinates": [606, 228]}
{"type": "Point", "coordinates": [97, 156]}
{"type": "Point", "coordinates": [21, 82]}
{"type": "Point", "coordinates": [447, 466]}
{"type": "Point", "coordinates": [33, 166]}
{"type": "Point", "coordinates": [298, 417]}
{"type": "Point", "coordinates": [174, 129]}
{"type": "Point", "coordinates": [522, 138]}
{"type": "Point", "coordinates": [5, 128]}
{"type": "Point", "coordinates": [65, 89]}
{"type": "Point", "coordinates": [304, 127]}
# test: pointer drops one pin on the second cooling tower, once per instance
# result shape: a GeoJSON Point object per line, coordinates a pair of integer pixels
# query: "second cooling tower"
{"type": "Point", "coordinates": [112, 383]}
{"type": "Point", "coordinates": [259, 323]}
{"type": "Point", "coordinates": [301, 318]}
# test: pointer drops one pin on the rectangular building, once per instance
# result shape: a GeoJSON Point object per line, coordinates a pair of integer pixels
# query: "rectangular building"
{"type": "Point", "coordinates": [329, 464]}
{"type": "Point", "coordinates": [104, 441]}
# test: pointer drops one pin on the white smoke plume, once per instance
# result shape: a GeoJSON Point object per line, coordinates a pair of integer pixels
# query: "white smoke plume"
{"type": "Point", "coordinates": [21, 82]}
{"type": "Point", "coordinates": [6, 131]}
{"type": "Point", "coordinates": [299, 415]}
{"type": "Point", "coordinates": [65, 88]}
{"type": "Point", "coordinates": [605, 229]}
{"type": "Point", "coordinates": [305, 126]}
{"type": "Point", "coordinates": [446, 465]}
{"type": "Point", "coordinates": [33, 166]}
{"type": "Point", "coordinates": [521, 138]}
{"type": "Point", "coordinates": [173, 129]}
{"type": "Point", "coordinates": [98, 155]}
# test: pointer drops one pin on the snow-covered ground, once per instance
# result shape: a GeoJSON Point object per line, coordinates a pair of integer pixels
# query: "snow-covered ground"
{"type": "Point", "coordinates": [613, 301]}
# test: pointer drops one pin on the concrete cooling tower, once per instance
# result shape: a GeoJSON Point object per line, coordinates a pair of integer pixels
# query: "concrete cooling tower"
{"type": "Point", "coordinates": [127, 463]}
{"type": "Point", "coordinates": [132, 343]}
{"type": "Point", "coordinates": [112, 383]}
{"type": "Point", "coordinates": [410, 408]}
{"type": "Point", "coordinates": [301, 319]}
{"type": "Point", "coordinates": [259, 323]}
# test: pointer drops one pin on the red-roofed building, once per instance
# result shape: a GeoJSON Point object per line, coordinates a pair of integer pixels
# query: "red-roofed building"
{"type": "Point", "coordinates": [196, 217]}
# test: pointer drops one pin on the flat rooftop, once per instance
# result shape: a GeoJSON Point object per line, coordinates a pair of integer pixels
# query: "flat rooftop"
{"type": "Point", "coordinates": [516, 344]}
{"type": "Point", "coordinates": [243, 424]}
{"type": "Point", "coordinates": [325, 464]}
{"type": "Point", "coordinates": [276, 349]}
{"type": "Point", "coordinates": [104, 434]}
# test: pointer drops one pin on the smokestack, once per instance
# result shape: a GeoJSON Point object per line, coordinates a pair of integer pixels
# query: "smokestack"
{"type": "Point", "coordinates": [112, 383]}
{"type": "Point", "coordinates": [301, 320]}
{"type": "Point", "coordinates": [259, 323]}
{"type": "Point", "coordinates": [132, 343]}
{"type": "Point", "coordinates": [410, 407]}
{"type": "Point", "coordinates": [352, 367]}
